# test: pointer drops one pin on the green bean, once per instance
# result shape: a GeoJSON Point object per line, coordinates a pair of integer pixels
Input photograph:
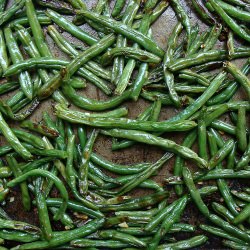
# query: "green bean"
{"type": "Point", "coordinates": [150, 139]}
{"type": "Point", "coordinates": [181, 13]}
{"type": "Point", "coordinates": [42, 210]}
{"type": "Point", "coordinates": [40, 128]}
{"type": "Point", "coordinates": [98, 243]}
{"type": "Point", "coordinates": [71, 28]}
{"type": "Point", "coordinates": [4, 60]}
{"type": "Point", "coordinates": [185, 244]}
{"type": "Point", "coordinates": [6, 15]}
{"type": "Point", "coordinates": [241, 195]}
{"type": "Point", "coordinates": [116, 113]}
{"type": "Point", "coordinates": [225, 127]}
{"type": "Point", "coordinates": [13, 140]}
{"type": "Point", "coordinates": [124, 122]}
{"type": "Point", "coordinates": [245, 159]}
{"type": "Point", "coordinates": [230, 43]}
{"type": "Point", "coordinates": [70, 176]}
{"type": "Point", "coordinates": [221, 154]}
{"type": "Point", "coordinates": [19, 226]}
{"type": "Point", "coordinates": [168, 222]}
{"type": "Point", "coordinates": [241, 133]}
{"type": "Point", "coordinates": [187, 176]}
{"type": "Point", "coordinates": [229, 21]}
{"type": "Point", "coordinates": [202, 137]}
{"type": "Point", "coordinates": [26, 201]}
{"type": "Point", "coordinates": [84, 164]}
{"type": "Point", "coordinates": [19, 96]}
{"type": "Point", "coordinates": [8, 86]}
{"type": "Point", "coordinates": [5, 149]}
{"type": "Point", "coordinates": [47, 174]}
{"type": "Point", "coordinates": [36, 29]}
{"type": "Point", "coordinates": [123, 237]}
{"type": "Point", "coordinates": [241, 3]}
{"type": "Point", "coordinates": [77, 4]}
{"type": "Point", "coordinates": [133, 204]}
{"type": "Point", "coordinates": [119, 4]}
{"type": "Point", "coordinates": [138, 54]}
{"type": "Point", "coordinates": [204, 57]}
{"type": "Point", "coordinates": [235, 12]}
{"type": "Point", "coordinates": [16, 56]}
{"type": "Point", "coordinates": [219, 232]}
{"type": "Point", "coordinates": [231, 158]}
{"type": "Point", "coordinates": [78, 83]}
{"type": "Point", "coordinates": [235, 245]}
{"type": "Point", "coordinates": [189, 74]}
{"type": "Point", "coordinates": [29, 138]}
{"type": "Point", "coordinates": [64, 237]}
{"type": "Point", "coordinates": [18, 236]}
{"type": "Point", "coordinates": [134, 35]}
{"type": "Point", "coordinates": [239, 76]}
{"type": "Point", "coordinates": [61, 7]}
{"type": "Point", "coordinates": [117, 168]}
{"type": "Point", "coordinates": [229, 228]}
{"type": "Point", "coordinates": [168, 76]}
{"type": "Point", "coordinates": [204, 14]}
{"type": "Point", "coordinates": [24, 21]}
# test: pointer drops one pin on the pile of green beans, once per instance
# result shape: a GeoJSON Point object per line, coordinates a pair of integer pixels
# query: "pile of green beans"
{"type": "Point", "coordinates": [51, 165]}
